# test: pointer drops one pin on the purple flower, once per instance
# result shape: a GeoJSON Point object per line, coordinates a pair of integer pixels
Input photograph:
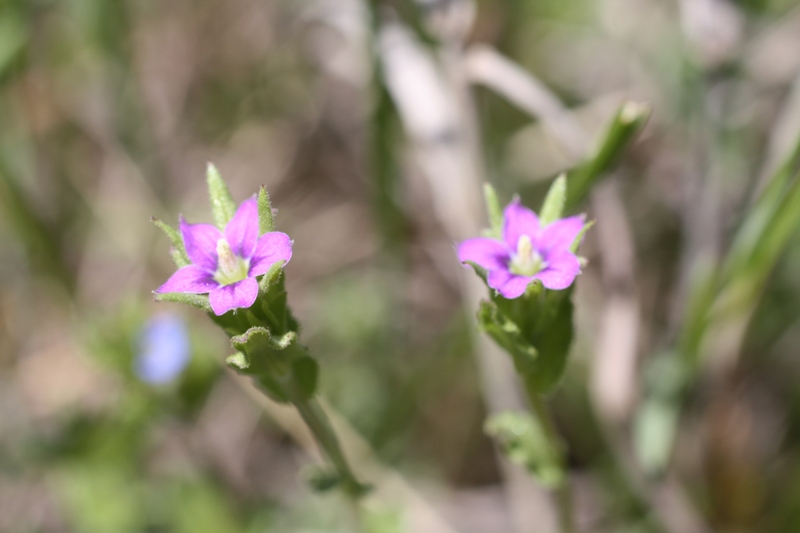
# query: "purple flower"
{"type": "Point", "coordinates": [163, 349]}
{"type": "Point", "coordinates": [225, 264]}
{"type": "Point", "coordinates": [526, 252]}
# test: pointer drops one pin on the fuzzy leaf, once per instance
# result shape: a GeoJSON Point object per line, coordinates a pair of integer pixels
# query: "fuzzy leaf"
{"type": "Point", "coordinates": [222, 205]}
{"type": "Point", "coordinates": [238, 362]}
{"type": "Point", "coordinates": [262, 352]}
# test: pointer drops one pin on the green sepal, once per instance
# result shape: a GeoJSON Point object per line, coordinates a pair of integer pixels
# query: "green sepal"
{"type": "Point", "coordinates": [305, 371]}
{"type": "Point", "coordinates": [178, 251]}
{"type": "Point", "coordinates": [177, 257]}
{"type": "Point", "coordinates": [553, 206]}
{"type": "Point", "coordinates": [524, 441]}
{"type": "Point", "coordinates": [200, 301]}
{"type": "Point", "coordinates": [270, 277]}
{"type": "Point", "coordinates": [479, 270]}
{"type": "Point", "coordinates": [222, 205]}
{"type": "Point", "coordinates": [274, 303]}
{"type": "Point", "coordinates": [494, 211]}
{"type": "Point", "coordinates": [266, 222]}
{"type": "Point", "coordinates": [579, 238]}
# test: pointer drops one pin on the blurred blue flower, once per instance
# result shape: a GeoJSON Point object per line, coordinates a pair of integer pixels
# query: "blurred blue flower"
{"type": "Point", "coordinates": [163, 349]}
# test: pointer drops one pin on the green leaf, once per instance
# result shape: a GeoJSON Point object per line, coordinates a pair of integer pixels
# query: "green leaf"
{"type": "Point", "coordinates": [263, 354]}
{"type": "Point", "coordinates": [272, 388]}
{"type": "Point", "coordinates": [494, 210]}
{"type": "Point", "coordinates": [763, 237]}
{"type": "Point", "coordinates": [222, 205]}
{"type": "Point", "coordinates": [238, 362]}
{"type": "Point", "coordinates": [266, 222]}
{"type": "Point", "coordinates": [306, 372]}
{"type": "Point", "coordinates": [553, 206]}
{"type": "Point", "coordinates": [552, 336]}
{"type": "Point", "coordinates": [703, 288]}
{"type": "Point", "coordinates": [524, 441]}
{"type": "Point", "coordinates": [508, 336]}
{"type": "Point", "coordinates": [178, 251]}
{"type": "Point", "coordinates": [200, 301]}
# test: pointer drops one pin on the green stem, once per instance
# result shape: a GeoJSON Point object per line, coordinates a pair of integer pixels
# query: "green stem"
{"type": "Point", "coordinates": [319, 424]}
{"type": "Point", "coordinates": [563, 492]}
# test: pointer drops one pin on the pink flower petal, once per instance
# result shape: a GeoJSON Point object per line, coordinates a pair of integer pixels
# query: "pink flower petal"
{"type": "Point", "coordinates": [560, 234]}
{"type": "Point", "coordinates": [242, 231]}
{"type": "Point", "coordinates": [519, 220]}
{"type": "Point", "coordinates": [487, 253]}
{"type": "Point", "coordinates": [192, 279]}
{"type": "Point", "coordinates": [271, 247]}
{"type": "Point", "coordinates": [562, 268]}
{"type": "Point", "coordinates": [201, 244]}
{"type": "Point", "coordinates": [236, 295]}
{"type": "Point", "coordinates": [507, 284]}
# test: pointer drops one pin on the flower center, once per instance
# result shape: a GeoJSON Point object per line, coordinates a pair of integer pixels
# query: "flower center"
{"type": "Point", "coordinates": [230, 267]}
{"type": "Point", "coordinates": [526, 262]}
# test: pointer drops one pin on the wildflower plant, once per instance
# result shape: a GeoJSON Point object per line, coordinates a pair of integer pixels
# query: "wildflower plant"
{"type": "Point", "coordinates": [529, 263]}
{"type": "Point", "coordinates": [233, 270]}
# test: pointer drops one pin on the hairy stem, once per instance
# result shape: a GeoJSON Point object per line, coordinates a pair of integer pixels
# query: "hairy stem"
{"type": "Point", "coordinates": [320, 426]}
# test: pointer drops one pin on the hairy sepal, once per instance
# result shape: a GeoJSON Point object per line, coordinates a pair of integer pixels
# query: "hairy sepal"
{"type": "Point", "coordinates": [222, 205]}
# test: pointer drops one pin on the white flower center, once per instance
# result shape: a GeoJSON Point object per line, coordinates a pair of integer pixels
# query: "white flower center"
{"type": "Point", "coordinates": [526, 262]}
{"type": "Point", "coordinates": [230, 267]}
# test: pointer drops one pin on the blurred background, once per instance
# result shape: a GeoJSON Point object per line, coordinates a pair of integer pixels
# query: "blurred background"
{"type": "Point", "coordinates": [373, 126]}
